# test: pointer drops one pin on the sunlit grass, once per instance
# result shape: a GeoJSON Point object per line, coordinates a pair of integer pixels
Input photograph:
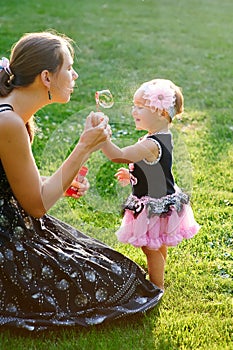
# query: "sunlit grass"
{"type": "Point", "coordinates": [119, 45]}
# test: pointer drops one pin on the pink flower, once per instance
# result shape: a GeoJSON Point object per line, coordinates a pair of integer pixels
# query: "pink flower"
{"type": "Point", "coordinates": [160, 96]}
{"type": "Point", "coordinates": [5, 64]}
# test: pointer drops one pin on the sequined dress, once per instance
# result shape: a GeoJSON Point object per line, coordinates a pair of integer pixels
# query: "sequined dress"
{"type": "Point", "coordinates": [53, 275]}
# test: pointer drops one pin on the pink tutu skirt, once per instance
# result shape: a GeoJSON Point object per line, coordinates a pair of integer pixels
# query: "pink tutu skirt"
{"type": "Point", "coordinates": [163, 228]}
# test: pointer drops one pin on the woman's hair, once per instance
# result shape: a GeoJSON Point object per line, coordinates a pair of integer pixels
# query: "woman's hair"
{"type": "Point", "coordinates": [32, 54]}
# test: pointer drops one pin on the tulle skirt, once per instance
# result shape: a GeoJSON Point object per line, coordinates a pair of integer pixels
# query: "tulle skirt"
{"type": "Point", "coordinates": [168, 224]}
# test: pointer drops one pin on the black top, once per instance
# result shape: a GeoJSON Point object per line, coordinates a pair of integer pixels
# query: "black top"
{"type": "Point", "coordinates": [5, 107]}
{"type": "Point", "coordinates": [155, 180]}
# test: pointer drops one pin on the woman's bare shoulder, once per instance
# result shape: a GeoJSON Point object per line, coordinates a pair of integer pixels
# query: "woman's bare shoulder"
{"type": "Point", "coordinates": [13, 133]}
{"type": "Point", "coordinates": [11, 122]}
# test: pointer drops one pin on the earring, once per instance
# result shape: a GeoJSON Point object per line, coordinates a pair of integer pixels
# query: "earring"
{"type": "Point", "coordinates": [49, 95]}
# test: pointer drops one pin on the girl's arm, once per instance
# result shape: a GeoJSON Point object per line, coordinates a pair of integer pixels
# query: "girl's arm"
{"type": "Point", "coordinates": [34, 195]}
{"type": "Point", "coordinates": [144, 149]}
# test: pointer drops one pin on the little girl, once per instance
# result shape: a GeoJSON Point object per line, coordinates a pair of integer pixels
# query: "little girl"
{"type": "Point", "coordinates": [157, 214]}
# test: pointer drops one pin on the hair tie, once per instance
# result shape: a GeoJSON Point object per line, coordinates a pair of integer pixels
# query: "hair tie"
{"type": "Point", "coordinates": [5, 65]}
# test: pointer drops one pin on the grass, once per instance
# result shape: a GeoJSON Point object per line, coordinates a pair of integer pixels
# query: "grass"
{"type": "Point", "coordinates": [119, 45]}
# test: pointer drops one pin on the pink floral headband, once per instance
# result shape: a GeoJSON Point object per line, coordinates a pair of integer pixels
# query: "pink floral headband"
{"type": "Point", "coordinates": [160, 96]}
{"type": "Point", "coordinates": [5, 65]}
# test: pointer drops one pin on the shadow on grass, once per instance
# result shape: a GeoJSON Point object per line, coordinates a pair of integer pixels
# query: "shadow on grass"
{"type": "Point", "coordinates": [135, 331]}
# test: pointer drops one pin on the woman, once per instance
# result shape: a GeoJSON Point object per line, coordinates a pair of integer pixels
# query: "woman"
{"type": "Point", "coordinates": [51, 274]}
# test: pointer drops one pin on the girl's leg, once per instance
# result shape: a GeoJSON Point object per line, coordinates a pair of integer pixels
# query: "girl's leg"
{"type": "Point", "coordinates": [156, 264]}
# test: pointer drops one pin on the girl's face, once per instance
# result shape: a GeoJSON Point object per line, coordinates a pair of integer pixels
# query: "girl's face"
{"type": "Point", "coordinates": [144, 118]}
{"type": "Point", "coordinates": [62, 82]}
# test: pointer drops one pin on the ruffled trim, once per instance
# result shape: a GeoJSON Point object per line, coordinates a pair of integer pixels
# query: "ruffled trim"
{"type": "Point", "coordinates": [157, 206]}
{"type": "Point", "coordinates": [159, 155]}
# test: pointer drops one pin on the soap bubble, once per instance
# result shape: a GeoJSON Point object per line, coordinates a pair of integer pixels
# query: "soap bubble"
{"type": "Point", "coordinates": [104, 99]}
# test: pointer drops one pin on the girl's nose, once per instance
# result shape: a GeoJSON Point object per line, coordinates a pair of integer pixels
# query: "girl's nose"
{"type": "Point", "coordinates": [134, 110]}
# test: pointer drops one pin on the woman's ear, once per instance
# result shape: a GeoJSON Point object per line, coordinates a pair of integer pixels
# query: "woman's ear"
{"type": "Point", "coordinates": [45, 78]}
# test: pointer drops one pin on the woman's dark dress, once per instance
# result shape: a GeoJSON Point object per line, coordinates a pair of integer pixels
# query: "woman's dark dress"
{"type": "Point", "coordinates": [53, 275]}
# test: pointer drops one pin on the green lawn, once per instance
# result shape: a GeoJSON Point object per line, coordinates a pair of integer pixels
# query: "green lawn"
{"type": "Point", "coordinates": [120, 44]}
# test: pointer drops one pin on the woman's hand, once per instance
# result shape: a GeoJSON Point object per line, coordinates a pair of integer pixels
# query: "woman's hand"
{"type": "Point", "coordinates": [77, 188]}
{"type": "Point", "coordinates": [123, 176]}
{"type": "Point", "coordinates": [96, 131]}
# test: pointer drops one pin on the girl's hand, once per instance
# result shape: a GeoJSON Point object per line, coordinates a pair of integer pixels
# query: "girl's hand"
{"type": "Point", "coordinates": [123, 176]}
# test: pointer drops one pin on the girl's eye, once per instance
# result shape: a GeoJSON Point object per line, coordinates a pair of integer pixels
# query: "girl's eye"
{"type": "Point", "coordinates": [137, 107]}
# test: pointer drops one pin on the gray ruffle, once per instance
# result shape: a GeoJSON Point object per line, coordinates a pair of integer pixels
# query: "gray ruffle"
{"type": "Point", "coordinates": [157, 206]}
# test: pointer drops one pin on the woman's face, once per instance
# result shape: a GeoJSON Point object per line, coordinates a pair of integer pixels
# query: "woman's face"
{"type": "Point", "coordinates": [63, 81]}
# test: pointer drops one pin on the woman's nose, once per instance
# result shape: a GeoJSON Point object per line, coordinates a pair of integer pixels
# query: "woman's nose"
{"type": "Point", "coordinates": [75, 75]}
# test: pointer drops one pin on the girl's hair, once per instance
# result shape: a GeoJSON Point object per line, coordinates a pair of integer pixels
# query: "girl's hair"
{"type": "Point", "coordinates": [179, 99]}
{"type": "Point", "coordinates": [32, 54]}
{"type": "Point", "coordinates": [179, 103]}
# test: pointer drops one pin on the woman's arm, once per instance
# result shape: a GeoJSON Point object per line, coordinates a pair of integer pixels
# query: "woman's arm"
{"type": "Point", "coordinates": [37, 196]}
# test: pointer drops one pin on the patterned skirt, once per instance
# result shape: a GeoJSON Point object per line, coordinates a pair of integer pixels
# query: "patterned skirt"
{"type": "Point", "coordinates": [53, 275]}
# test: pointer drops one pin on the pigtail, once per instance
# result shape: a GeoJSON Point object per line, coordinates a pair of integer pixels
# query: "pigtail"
{"type": "Point", "coordinates": [179, 104]}
{"type": "Point", "coordinates": [5, 83]}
